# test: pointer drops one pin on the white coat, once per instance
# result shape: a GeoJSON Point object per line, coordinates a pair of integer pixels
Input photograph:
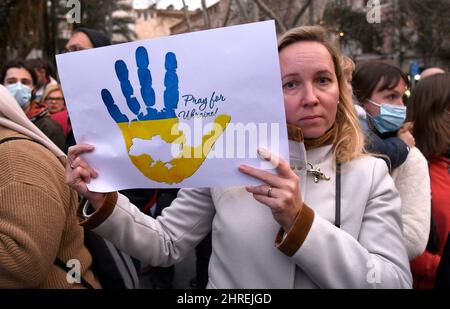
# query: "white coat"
{"type": "Point", "coordinates": [412, 181]}
{"type": "Point", "coordinates": [366, 252]}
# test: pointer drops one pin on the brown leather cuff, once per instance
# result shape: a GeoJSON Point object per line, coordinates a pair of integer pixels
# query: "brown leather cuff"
{"type": "Point", "coordinates": [100, 215]}
{"type": "Point", "coordinates": [297, 234]}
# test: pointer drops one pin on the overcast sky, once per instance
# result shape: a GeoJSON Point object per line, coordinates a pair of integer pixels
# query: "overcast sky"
{"type": "Point", "coordinates": [178, 4]}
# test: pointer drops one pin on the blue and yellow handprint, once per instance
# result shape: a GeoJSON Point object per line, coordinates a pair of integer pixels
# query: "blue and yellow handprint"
{"type": "Point", "coordinates": [152, 123]}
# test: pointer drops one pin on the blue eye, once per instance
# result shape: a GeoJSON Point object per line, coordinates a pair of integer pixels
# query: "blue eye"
{"type": "Point", "coordinates": [324, 80]}
{"type": "Point", "coordinates": [290, 85]}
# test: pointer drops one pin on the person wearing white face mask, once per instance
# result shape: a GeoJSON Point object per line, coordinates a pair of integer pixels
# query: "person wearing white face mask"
{"type": "Point", "coordinates": [20, 80]}
{"type": "Point", "coordinates": [379, 87]}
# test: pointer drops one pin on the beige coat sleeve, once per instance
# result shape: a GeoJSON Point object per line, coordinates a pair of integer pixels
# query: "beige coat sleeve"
{"type": "Point", "coordinates": [31, 225]}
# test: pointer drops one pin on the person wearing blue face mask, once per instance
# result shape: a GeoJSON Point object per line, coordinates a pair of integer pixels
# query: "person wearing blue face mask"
{"type": "Point", "coordinates": [21, 93]}
{"type": "Point", "coordinates": [20, 80]}
{"type": "Point", "coordinates": [379, 88]}
{"type": "Point", "coordinates": [390, 119]}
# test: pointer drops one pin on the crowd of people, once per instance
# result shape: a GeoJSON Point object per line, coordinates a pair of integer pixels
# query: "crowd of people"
{"type": "Point", "coordinates": [378, 218]}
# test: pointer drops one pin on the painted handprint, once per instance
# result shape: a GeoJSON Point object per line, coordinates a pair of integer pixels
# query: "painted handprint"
{"type": "Point", "coordinates": [160, 127]}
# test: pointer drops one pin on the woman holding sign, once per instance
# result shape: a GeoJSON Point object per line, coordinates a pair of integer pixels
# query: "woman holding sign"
{"type": "Point", "coordinates": [335, 217]}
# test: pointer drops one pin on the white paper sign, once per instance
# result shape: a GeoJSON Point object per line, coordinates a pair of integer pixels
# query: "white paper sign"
{"type": "Point", "coordinates": [178, 111]}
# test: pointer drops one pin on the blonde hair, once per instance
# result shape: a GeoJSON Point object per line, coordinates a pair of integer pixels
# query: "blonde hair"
{"type": "Point", "coordinates": [349, 141]}
{"type": "Point", "coordinates": [49, 89]}
{"type": "Point", "coordinates": [348, 66]}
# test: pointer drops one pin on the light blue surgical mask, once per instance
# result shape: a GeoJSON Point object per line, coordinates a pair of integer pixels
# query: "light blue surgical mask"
{"type": "Point", "coordinates": [22, 94]}
{"type": "Point", "coordinates": [390, 119]}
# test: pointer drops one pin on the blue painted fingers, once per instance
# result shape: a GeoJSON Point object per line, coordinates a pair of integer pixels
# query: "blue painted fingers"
{"type": "Point", "coordinates": [145, 80]}
{"type": "Point", "coordinates": [113, 109]}
{"type": "Point", "coordinates": [171, 93]}
{"type": "Point", "coordinates": [125, 85]}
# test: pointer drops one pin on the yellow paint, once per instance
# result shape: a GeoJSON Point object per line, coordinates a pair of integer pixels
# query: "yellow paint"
{"type": "Point", "coordinates": [181, 167]}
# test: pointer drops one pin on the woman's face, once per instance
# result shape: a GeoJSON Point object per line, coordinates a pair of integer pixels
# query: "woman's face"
{"type": "Point", "coordinates": [55, 102]}
{"type": "Point", "coordinates": [393, 96]}
{"type": "Point", "coordinates": [310, 87]}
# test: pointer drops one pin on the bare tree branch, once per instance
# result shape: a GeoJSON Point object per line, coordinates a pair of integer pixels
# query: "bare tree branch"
{"type": "Point", "coordinates": [289, 10]}
{"type": "Point", "coordinates": [300, 13]}
{"type": "Point", "coordinates": [271, 13]}
{"type": "Point", "coordinates": [244, 15]}
{"type": "Point", "coordinates": [311, 13]}
{"type": "Point", "coordinates": [186, 16]}
{"type": "Point", "coordinates": [206, 15]}
{"type": "Point", "coordinates": [227, 15]}
{"type": "Point", "coordinates": [255, 13]}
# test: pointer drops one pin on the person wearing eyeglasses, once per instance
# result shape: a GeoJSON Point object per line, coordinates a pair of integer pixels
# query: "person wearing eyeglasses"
{"type": "Point", "coordinates": [53, 98]}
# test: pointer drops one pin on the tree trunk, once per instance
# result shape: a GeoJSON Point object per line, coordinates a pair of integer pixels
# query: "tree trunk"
{"type": "Point", "coordinates": [54, 32]}
{"type": "Point", "coordinates": [186, 16]}
{"type": "Point", "coordinates": [311, 13]}
{"type": "Point", "coordinates": [49, 31]}
{"type": "Point", "coordinates": [206, 15]}
{"type": "Point", "coordinates": [244, 15]}
{"type": "Point", "coordinates": [272, 14]}
{"type": "Point", "coordinates": [109, 24]}
{"type": "Point", "coordinates": [401, 39]}
{"type": "Point", "coordinates": [228, 13]}
{"type": "Point", "coordinates": [35, 13]}
{"type": "Point", "coordinates": [300, 13]}
{"type": "Point", "coordinates": [255, 13]}
{"type": "Point", "coordinates": [46, 31]}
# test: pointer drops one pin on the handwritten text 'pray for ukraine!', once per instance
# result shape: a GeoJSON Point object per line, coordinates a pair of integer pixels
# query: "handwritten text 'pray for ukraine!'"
{"type": "Point", "coordinates": [206, 106]}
